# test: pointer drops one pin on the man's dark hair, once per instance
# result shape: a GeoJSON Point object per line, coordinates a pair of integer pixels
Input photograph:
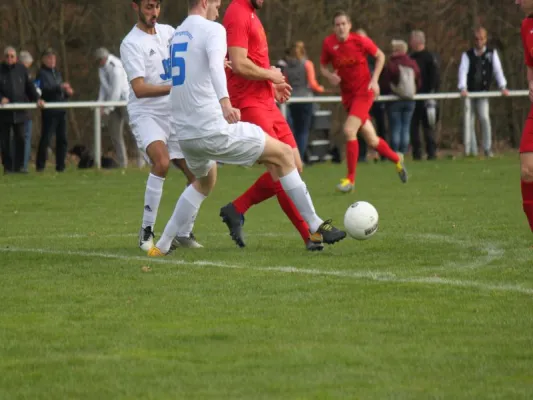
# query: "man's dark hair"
{"type": "Point", "coordinates": [341, 13]}
{"type": "Point", "coordinates": [193, 3]}
{"type": "Point", "coordinates": [138, 2]}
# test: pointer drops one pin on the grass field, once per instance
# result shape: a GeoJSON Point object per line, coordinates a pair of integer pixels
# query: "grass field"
{"type": "Point", "coordinates": [439, 304]}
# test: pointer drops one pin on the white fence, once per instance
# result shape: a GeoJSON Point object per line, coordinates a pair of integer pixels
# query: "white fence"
{"type": "Point", "coordinates": [95, 106]}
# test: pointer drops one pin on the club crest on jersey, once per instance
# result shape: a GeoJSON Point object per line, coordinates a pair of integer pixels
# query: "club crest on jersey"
{"type": "Point", "coordinates": [152, 52]}
{"type": "Point", "coordinates": [336, 47]}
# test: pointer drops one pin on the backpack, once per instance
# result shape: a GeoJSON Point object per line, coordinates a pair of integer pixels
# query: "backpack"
{"type": "Point", "coordinates": [406, 87]}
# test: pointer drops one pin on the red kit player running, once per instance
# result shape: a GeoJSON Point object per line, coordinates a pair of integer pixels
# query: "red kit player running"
{"type": "Point", "coordinates": [526, 144]}
{"type": "Point", "coordinates": [253, 87]}
{"type": "Point", "coordinates": [347, 52]}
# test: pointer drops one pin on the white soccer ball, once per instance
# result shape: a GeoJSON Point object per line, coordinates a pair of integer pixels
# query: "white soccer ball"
{"type": "Point", "coordinates": [361, 220]}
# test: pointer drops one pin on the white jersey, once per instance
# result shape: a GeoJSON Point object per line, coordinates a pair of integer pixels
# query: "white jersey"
{"type": "Point", "coordinates": [198, 77]}
{"type": "Point", "coordinates": [147, 56]}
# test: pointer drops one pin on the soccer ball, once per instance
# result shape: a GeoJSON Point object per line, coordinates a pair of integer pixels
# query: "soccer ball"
{"type": "Point", "coordinates": [361, 220]}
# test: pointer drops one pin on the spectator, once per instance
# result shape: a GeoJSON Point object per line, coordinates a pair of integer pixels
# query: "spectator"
{"type": "Point", "coordinates": [27, 60]}
{"type": "Point", "coordinates": [54, 90]}
{"type": "Point", "coordinates": [401, 76]}
{"type": "Point", "coordinates": [15, 87]}
{"type": "Point", "coordinates": [478, 66]}
{"type": "Point", "coordinates": [282, 65]}
{"type": "Point", "coordinates": [377, 112]}
{"type": "Point", "coordinates": [425, 110]}
{"type": "Point", "coordinates": [114, 86]}
{"type": "Point", "coordinates": [300, 73]}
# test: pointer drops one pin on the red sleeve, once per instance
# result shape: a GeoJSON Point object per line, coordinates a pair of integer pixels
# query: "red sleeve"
{"type": "Point", "coordinates": [369, 46]}
{"type": "Point", "coordinates": [237, 28]}
{"type": "Point", "coordinates": [325, 57]}
{"type": "Point", "coordinates": [527, 42]}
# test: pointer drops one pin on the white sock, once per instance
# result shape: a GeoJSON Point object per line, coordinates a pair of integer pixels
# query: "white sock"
{"type": "Point", "coordinates": [294, 186]}
{"type": "Point", "coordinates": [152, 198]}
{"type": "Point", "coordinates": [182, 220]}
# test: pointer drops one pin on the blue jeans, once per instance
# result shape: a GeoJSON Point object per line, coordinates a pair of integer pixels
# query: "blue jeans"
{"type": "Point", "coordinates": [302, 115]}
{"type": "Point", "coordinates": [400, 115]}
{"type": "Point", "coordinates": [28, 124]}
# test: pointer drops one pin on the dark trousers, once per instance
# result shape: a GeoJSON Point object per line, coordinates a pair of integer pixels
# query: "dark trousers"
{"type": "Point", "coordinates": [53, 123]}
{"type": "Point", "coordinates": [10, 163]}
{"type": "Point", "coordinates": [302, 115]}
{"type": "Point", "coordinates": [420, 117]}
{"type": "Point", "coordinates": [378, 113]}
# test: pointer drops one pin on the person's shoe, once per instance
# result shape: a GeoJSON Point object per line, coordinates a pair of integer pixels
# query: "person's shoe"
{"type": "Point", "coordinates": [234, 221]}
{"type": "Point", "coordinates": [314, 243]}
{"type": "Point", "coordinates": [329, 233]}
{"type": "Point", "coordinates": [400, 168]}
{"type": "Point", "coordinates": [185, 242]}
{"type": "Point", "coordinates": [346, 186]}
{"type": "Point", "coordinates": [155, 252]}
{"type": "Point", "coordinates": [146, 238]}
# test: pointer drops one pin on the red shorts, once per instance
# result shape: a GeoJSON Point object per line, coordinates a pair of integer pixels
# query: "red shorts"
{"type": "Point", "coordinates": [359, 106]}
{"type": "Point", "coordinates": [526, 143]}
{"type": "Point", "coordinates": [271, 121]}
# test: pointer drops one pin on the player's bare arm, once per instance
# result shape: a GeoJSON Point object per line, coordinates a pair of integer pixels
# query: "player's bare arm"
{"type": "Point", "coordinates": [380, 63]}
{"type": "Point", "coordinates": [332, 77]}
{"type": "Point", "coordinates": [242, 65]}
{"type": "Point", "coordinates": [143, 90]}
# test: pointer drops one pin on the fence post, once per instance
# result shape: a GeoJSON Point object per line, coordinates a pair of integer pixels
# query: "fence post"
{"type": "Point", "coordinates": [283, 108]}
{"type": "Point", "coordinates": [97, 138]}
{"type": "Point", "coordinates": [466, 123]}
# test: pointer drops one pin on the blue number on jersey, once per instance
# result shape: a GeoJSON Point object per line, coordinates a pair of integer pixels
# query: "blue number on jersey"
{"type": "Point", "coordinates": [168, 71]}
{"type": "Point", "coordinates": [178, 62]}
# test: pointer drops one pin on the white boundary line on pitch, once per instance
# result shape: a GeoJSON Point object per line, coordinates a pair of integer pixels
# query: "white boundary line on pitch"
{"type": "Point", "coordinates": [368, 275]}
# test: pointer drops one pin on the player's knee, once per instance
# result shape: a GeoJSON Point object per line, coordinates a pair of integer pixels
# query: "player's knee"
{"type": "Point", "coordinates": [349, 133]}
{"type": "Point", "coordinates": [161, 166]}
{"type": "Point", "coordinates": [526, 172]}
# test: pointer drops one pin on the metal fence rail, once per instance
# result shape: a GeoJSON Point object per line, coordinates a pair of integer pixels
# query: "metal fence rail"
{"type": "Point", "coordinates": [96, 105]}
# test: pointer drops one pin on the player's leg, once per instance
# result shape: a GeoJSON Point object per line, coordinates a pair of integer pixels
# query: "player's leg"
{"type": "Point", "coordinates": [151, 139]}
{"type": "Point", "coordinates": [351, 127]}
{"type": "Point", "coordinates": [268, 185]}
{"type": "Point", "coordinates": [179, 228]}
{"type": "Point", "coordinates": [381, 146]}
{"type": "Point", "coordinates": [280, 156]}
{"type": "Point", "coordinates": [526, 170]}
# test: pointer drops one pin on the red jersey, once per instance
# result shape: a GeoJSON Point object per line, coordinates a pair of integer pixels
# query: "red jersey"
{"type": "Point", "coordinates": [349, 59]}
{"type": "Point", "coordinates": [244, 29]}
{"type": "Point", "coordinates": [527, 40]}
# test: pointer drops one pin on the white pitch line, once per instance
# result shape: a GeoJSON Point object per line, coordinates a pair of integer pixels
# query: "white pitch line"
{"type": "Point", "coordinates": [362, 275]}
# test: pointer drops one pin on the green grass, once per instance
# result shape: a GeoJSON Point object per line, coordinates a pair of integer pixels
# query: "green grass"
{"type": "Point", "coordinates": [438, 304]}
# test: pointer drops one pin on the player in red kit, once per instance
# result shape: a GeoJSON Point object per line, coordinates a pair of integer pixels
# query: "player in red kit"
{"type": "Point", "coordinates": [347, 52]}
{"type": "Point", "coordinates": [526, 144]}
{"type": "Point", "coordinates": [254, 87]}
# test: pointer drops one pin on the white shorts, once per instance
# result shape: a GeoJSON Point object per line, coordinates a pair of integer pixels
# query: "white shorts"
{"type": "Point", "coordinates": [240, 144]}
{"type": "Point", "coordinates": [148, 129]}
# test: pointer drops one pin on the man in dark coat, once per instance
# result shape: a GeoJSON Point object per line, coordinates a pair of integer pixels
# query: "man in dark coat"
{"type": "Point", "coordinates": [15, 87]}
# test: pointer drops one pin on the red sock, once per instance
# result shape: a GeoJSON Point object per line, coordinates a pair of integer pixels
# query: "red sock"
{"type": "Point", "coordinates": [263, 189]}
{"type": "Point", "coordinates": [291, 211]}
{"type": "Point", "coordinates": [384, 150]}
{"type": "Point", "coordinates": [527, 201]}
{"type": "Point", "coordinates": [352, 154]}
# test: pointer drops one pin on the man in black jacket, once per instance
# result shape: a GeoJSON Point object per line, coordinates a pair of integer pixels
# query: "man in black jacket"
{"type": "Point", "coordinates": [15, 87]}
{"type": "Point", "coordinates": [425, 111]}
{"type": "Point", "coordinates": [53, 89]}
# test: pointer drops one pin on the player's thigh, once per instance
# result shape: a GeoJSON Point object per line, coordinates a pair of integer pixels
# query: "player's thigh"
{"type": "Point", "coordinates": [151, 138]}
{"type": "Point", "coordinates": [261, 117]}
{"type": "Point", "coordinates": [358, 113]}
{"type": "Point", "coordinates": [526, 151]}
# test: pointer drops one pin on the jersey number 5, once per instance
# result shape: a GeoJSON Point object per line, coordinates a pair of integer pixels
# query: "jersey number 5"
{"type": "Point", "coordinates": [178, 63]}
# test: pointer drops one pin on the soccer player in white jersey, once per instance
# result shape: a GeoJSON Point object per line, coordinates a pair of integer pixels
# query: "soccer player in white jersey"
{"type": "Point", "coordinates": [145, 56]}
{"type": "Point", "coordinates": [209, 130]}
